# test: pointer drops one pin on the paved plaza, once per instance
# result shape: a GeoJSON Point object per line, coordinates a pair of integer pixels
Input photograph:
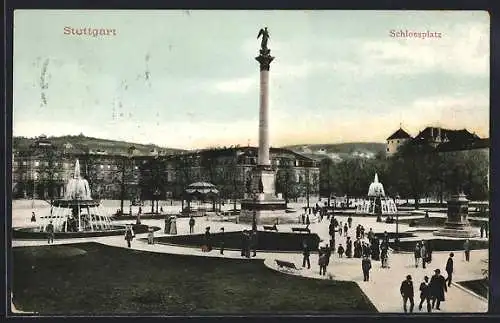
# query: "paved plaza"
{"type": "Point", "coordinates": [382, 289]}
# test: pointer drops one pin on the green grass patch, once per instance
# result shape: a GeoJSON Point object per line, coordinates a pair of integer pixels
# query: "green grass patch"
{"type": "Point", "coordinates": [110, 280]}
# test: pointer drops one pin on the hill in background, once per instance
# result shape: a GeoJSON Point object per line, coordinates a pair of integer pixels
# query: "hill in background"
{"type": "Point", "coordinates": [82, 143]}
{"type": "Point", "coordinates": [340, 151]}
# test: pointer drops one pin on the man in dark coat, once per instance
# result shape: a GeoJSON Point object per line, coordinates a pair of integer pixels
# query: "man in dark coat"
{"type": "Point", "coordinates": [345, 229]}
{"type": "Point", "coordinates": [208, 239]}
{"type": "Point", "coordinates": [306, 253]}
{"type": "Point", "coordinates": [366, 265]}
{"type": "Point", "coordinates": [191, 224]}
{"type": "Point", "coordinates": [50, 232]}
{"type": "Point", "coordinates": [221, 241]}
{"type": "Point", "coordinates": [437, 288]}
{"type": "Point", "coordinates": [331, 229]}
{"type": "Point", "coordinates": [349, 221]}
{"type": "Point", "coordinates": [407, 293]}
{"type": "Point", "coordinates": [425, 294]}
{"type": "Point", "coordinates": [357, 248]}
{"type": "Point", "coordinates": [449, 269]}
{"type": "Point", "coordinates": [244, 243]}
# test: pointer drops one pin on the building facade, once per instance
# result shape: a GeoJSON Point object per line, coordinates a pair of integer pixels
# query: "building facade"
{"type": "Point", "coordinates": [395, 140]}
{"type": "Point", "coordinates": [43, 170]}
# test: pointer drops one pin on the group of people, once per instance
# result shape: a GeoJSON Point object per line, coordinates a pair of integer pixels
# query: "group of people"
{"type": "Point", "coordinates": [432, 292]}
{"type": "Point", "coordinates": [423, 253]}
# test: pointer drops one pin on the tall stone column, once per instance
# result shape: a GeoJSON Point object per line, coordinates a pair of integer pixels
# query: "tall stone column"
{"type": "Point", "coordinates": [265, 60]}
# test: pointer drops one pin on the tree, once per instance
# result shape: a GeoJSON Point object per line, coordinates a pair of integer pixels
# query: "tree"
{"type": "Point", "coordinates": [413, 163]}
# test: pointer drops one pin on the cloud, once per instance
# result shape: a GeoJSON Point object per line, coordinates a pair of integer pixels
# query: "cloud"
{"type": "Point", "coordinates": [462, 51]}
{"type": "Point", "coordinates": [235, 85]}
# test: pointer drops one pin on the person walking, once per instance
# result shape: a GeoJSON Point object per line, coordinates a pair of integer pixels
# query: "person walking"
{"type": "Point", "coordinates": [129, 235]}
{"type": "Point", "coordinates": [306, 253]}
{"type": "Point", "coordinates": [308, 221]}
{"type": "Point", "coordinates": [221, 240]}
{"type": "Point", "coordinates": [345, 230]}
{"type": "Point", "coordinates": [481, 230]}
{"type": "Point", "coordinates": [244, 242]}
{"type": "Point", "coordinates": [437, 288]}
{"type": "Point", "coordinates": [191, 224]}
{"type": "Point", "coordinates": [366, 265]}
{"type": "Point", "coordinates": [371, 235]}
{"type": "Point", "coordinates": [423, 254]}
{"type": "Point", "coordinates": [303, 218]}
{"type": "Point", "coordinates": [425, 295]}
{"type": "Point", "coordinates": [151, 235]}
{"type": "Point", "coordinates": [50, 232]}
{"type": "Point", "coordinates": [340, 250]}
{"type": "Point", "coordinates": [407, 293]}
{"type": "Point", "coordinates": [208, 239]}
{"type": "Point", "coordinates": [348, 249]}
{"type": "Point", "coordinates": [416, 253]}
{"type": "Point", "coordinates": [357, 248]}
{"type": "Point", "coordinates": [449, 269]}
{"type": "Point", "coordinates": [331, 229]}
{"type": "Point", "coordinates": [384, 256]}
{"type": "Point", "coordinates": [322, 261]}
{"type": "Point", "coordinates": [349, 221]}
{"type": "Point", "coordinates": [33, 217]}
{"type": "Point", "coordinates": [467, 250]}
{"type": "Point", "coordinates": [340, 230]}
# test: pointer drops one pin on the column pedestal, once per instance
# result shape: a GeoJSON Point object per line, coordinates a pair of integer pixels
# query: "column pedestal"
{"type": "Point", "coordinates": [457, 225]}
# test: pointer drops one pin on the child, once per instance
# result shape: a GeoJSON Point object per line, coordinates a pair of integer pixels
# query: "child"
{"type": "Point", "coordinates": [340, 250]}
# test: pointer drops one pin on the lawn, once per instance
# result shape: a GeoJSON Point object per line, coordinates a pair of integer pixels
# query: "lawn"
{"type": "Point", "coordinates": [269, 241]}
{"type": "Point", "coordinates": [95, 279]}
{"type": "Point", "coordinates": [479, 286]}
{"type": "Point", "coordinates": [433, 222]}
{"type": "Point", "coordinates": [441, 245]}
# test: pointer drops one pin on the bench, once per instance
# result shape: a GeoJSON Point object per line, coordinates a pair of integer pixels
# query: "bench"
{"type": "Point", "coordinates": [301, 230]}
{"type": "Point", "coordinates": [285, 264]}
{"type": "Point", "coordinates": [270, 228]}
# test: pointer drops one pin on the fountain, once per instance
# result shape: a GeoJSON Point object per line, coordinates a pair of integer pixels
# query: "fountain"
{"type": "Point", "coordinates": [77, 211]}
{"type": "Point", "coordinates": [457, 224]}
{"type": "Point", "coordinates": [76, 215]}
{"type": "Point", "coordinates": [377, 203]}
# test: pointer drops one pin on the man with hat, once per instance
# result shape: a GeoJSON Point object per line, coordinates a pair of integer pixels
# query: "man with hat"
{"type": "Point", "coordinates": [407, 293]}
{"type": "Point", "coordinates": [449, 268]}
{"type": "Point", "coordinates": [437, 288]}
{"type": "Point", "coordinates": [425, 294]}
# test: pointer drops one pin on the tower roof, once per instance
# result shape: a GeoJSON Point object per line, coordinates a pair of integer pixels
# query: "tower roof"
{"type": "Point", "coordinates": [400, 134]}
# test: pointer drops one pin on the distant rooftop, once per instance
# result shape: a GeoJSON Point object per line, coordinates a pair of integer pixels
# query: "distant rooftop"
{"type": "Point", "coordinates": [399, 134]}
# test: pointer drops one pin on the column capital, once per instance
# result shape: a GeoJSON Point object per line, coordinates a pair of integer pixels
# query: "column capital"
{"type": "Point", "coordinates": [265, 60]}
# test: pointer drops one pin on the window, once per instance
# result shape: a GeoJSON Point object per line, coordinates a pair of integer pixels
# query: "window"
{"type": "Point", "coordinates": [46, 164]}
{"type": "Point", "coordinates": [37, 163]}
{"type": "Point", "coordinates": [56, 164]}
{"type": "Point", "coordinates": [25, 163]}
{"type": "Point", "coordinates": [102, 166]}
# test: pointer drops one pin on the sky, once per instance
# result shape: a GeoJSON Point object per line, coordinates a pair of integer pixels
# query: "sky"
{"type": "Point", "coordinates": [189, 79]}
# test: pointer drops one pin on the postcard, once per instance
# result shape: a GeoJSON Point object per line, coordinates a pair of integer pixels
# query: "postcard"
{"type": "Point", "coordinates": [239, 162]}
